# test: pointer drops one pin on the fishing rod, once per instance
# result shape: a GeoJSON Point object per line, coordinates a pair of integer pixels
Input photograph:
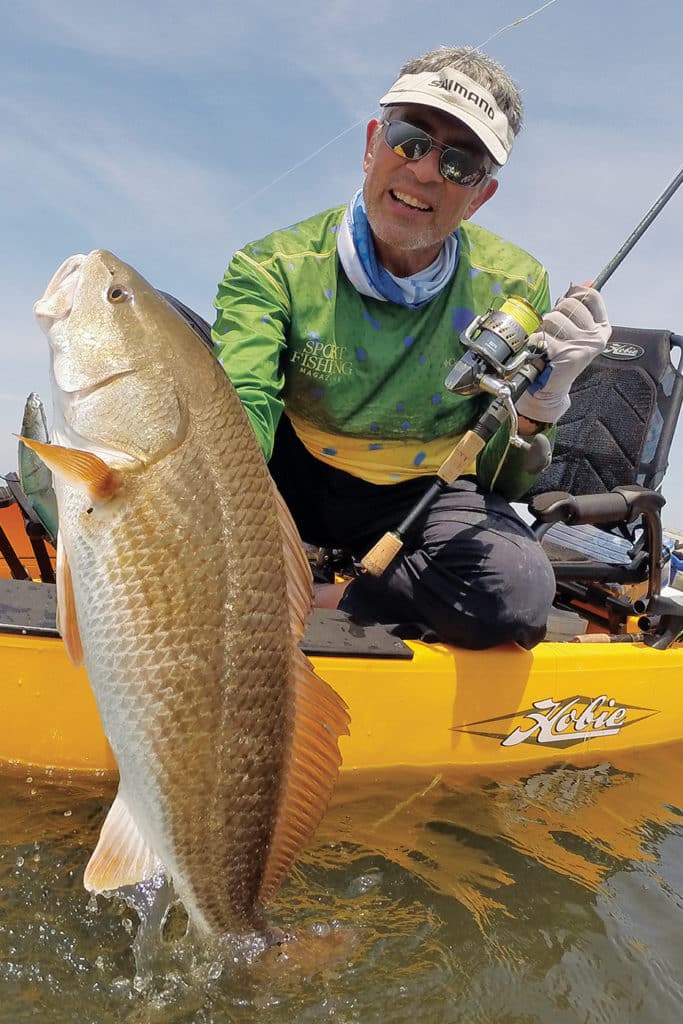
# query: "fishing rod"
{"type": "Point", "coordinates": [499, 360]}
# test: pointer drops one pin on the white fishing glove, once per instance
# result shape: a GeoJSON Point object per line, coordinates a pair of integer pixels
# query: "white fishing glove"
{"type": "Point", "coordinates": [575, 332]}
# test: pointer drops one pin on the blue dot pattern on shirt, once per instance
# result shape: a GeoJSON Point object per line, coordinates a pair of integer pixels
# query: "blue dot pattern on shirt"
{"type": "Point", "coordinates": [419, 458]}
{"type": "Point", "coordinates": [461, 317]}
{"type": "Point", "coordinates": [408, 341]}
{"type": "Point", "coordinates": [361, 355]}
{"type": "Point", "coordinates": [371, 320]}
{"type": "Point", "coordinates": [329, 451]}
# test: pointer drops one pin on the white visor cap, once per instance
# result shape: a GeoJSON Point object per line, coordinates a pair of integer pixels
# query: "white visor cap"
{"type": "Point", "coordinates": [461, 97]}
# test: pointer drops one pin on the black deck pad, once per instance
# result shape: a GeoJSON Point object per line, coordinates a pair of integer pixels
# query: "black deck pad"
{"type": "Point", "coordinates": [30, 608]}
{"type": "Point", "coordinates": [332, 632]}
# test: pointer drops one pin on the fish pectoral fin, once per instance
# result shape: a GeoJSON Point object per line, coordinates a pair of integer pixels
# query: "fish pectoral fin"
{"type": "Point", "coordinates": [121, 857]}
{"type": "Point", "coordinates": [67, 619]}
{"type": "Point", "coordinates": [81, 469]}
{"type": "Point", "coordinates": [320, 718]}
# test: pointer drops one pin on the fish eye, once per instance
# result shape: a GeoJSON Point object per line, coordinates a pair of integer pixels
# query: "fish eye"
{"type": "Point", "coordinates": [117, 294]}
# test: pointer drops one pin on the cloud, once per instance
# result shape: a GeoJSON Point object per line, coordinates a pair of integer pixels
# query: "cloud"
{"type": "Point", "coordinates": [105, 177]}
{"type": "Point", "coordinates": [154, 34]}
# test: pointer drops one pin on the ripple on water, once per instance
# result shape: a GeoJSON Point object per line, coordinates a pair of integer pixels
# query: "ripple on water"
{"type": "Point", "coordinates": [428, 898]}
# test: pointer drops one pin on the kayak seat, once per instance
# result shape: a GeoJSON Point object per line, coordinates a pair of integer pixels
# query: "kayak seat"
{"type": "Point", "coordinates": [620, 425]}
{"type": "Point", "coordinates": [597, 507]}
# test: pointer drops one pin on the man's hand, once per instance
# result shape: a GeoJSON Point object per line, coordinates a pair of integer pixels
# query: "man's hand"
{"type": "Point", "coordinates": [575, 332]}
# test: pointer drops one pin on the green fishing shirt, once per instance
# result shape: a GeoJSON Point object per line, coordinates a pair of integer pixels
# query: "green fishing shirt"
{"type": "Point", "coordinates": [363, 380]}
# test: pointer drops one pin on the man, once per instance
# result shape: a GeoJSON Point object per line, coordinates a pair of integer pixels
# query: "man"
{"type": "Point", "coordinates": [338, 333]}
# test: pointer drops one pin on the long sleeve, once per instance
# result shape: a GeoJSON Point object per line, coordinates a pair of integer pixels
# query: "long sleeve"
{"type": "Point", "coordinates": [250, 332]}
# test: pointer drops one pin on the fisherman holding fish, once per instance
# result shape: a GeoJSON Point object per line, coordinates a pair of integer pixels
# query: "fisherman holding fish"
{"type": "Point", "coordinates": [337, 333]}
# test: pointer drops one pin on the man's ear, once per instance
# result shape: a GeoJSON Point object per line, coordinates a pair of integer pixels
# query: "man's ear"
{"type": "Point", "coordinates": [481, 197]}
{"type": "Point", "coordinates": [370, 137]}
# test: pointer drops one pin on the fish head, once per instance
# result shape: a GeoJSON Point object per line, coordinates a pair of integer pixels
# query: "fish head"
{"type": "Point", "coordinates": [120, 358]}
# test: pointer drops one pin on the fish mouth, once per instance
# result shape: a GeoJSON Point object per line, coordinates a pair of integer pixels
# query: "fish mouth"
{"type": "Point", "coordinates": [58, 300]}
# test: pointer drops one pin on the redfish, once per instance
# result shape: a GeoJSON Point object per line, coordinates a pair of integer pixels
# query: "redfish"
{"type": "Point", "coordinates": [183, 588]}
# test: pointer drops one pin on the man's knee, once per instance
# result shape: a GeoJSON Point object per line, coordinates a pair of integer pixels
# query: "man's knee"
{"type": "Point", "coordinates": [506, 601]}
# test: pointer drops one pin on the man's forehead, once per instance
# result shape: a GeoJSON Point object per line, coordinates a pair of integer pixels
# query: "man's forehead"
{"type": "Point", "coordinates": [449, 129]}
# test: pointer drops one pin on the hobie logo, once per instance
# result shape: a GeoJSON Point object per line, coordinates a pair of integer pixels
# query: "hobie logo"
{"type": "Point", "coordinates": [574, 719]}
{"type": "Point", "coordinates": [620, 350]}
{"type": "Point", "coordinates": [559, 723]}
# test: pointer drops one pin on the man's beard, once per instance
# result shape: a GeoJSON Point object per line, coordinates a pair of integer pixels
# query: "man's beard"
{"type": "Point", "coordinates": [406, 241]}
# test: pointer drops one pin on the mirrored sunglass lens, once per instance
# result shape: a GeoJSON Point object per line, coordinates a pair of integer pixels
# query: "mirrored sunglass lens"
{"type": "Point", "coordinates": [460, 168]}
{"type": "Point", "coordinates": [406, 140]}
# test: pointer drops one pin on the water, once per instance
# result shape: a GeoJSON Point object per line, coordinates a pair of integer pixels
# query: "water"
{"type": "Point", "coordinates": [426, 897]}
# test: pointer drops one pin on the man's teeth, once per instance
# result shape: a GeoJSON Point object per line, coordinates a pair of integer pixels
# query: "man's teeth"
{"type": "Point", "coordinates": [411, 201]}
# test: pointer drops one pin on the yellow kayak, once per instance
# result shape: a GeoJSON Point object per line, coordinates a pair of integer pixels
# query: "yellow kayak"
{"type": "Point", "coordinates": [442, 706]}
{"type": "Point", "coordinates": [411, 703]}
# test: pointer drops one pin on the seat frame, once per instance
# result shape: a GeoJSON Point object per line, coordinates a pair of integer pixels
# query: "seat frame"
{"type": "Point", "coordinates": [598, 590]}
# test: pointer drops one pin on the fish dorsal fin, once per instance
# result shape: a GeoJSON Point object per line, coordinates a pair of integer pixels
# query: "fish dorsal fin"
{"type": "Point", "coordinates": [82, 469]}
{"type": "Point", "coordinates": [298, 574]}
{"type": "Point", "coordinates": [320, 718]}
{"type": "Point", "coordinates": [121, 857]}
{"type": "Point", "coordinates": [67, 619]}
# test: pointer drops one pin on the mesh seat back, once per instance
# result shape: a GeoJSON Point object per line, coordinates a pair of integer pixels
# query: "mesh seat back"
{"type": "Point", "coordinates": [623, 415]}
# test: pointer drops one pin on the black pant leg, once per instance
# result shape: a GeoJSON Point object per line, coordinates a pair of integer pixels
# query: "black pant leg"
{"type": "Point", "coordinates": [474, 576]}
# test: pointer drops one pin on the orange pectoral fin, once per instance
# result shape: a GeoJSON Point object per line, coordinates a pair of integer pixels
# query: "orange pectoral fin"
{"type": "Point", "coordinates": [67, 620]}
{"type": "Point", "coordinates": [82, 469]}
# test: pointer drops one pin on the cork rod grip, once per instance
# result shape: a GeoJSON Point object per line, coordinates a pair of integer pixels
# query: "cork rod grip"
{"type": "Point", "coordinates": [461, 458]}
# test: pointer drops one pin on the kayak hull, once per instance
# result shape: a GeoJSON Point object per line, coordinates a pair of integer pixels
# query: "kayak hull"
{"type": "Point", "coordinates": [494, 709]}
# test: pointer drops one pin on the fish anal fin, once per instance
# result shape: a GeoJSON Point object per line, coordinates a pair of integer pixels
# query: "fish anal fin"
{"type": "Point", "coordinates": [121, 857]}
{"type": "Point", "coordinates": [67, 619]}
{"type": "Point", "coordinates": [320, 718]}
{"type": "Point", "coordinates": [81, 469]}
{"type": "Point", "coordinates": [298, 576]}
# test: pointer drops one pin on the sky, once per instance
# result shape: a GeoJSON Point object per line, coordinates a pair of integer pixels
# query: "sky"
{"type": "Point", "coordinates": [174, 133]}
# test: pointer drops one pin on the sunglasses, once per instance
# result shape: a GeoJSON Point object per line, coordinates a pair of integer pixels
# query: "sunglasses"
{"type": "Point", "coordinates": [456, 165]}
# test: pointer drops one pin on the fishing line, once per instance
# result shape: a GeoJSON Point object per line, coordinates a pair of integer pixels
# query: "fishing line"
{"type": "Point", "coordinates": [362, 120]}
{"type": "Point", "coordinates": [519, 21]}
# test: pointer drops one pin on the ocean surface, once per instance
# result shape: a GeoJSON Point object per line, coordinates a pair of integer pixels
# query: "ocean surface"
{"type": "Point", "coordinates": [556, 897]}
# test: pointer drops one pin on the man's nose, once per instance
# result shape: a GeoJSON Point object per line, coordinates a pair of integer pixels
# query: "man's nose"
{"type": "Point", "coordinates": [427, 168]}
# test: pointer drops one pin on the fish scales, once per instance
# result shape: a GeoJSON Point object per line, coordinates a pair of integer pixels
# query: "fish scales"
{"type": "Point", "coordinates": [180, 586]}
